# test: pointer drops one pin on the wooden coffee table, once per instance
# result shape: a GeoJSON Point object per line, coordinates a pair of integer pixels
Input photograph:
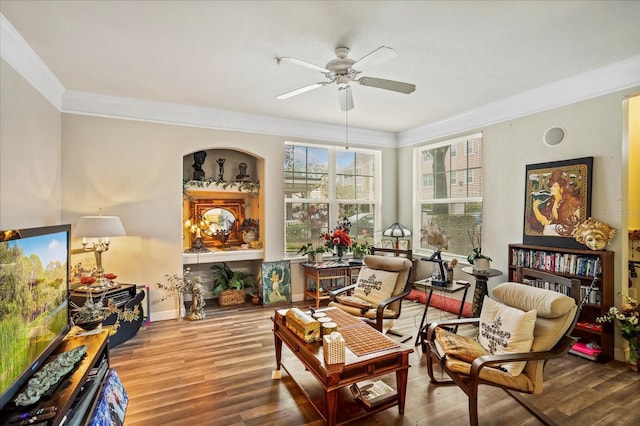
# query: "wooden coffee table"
{"type": "Point", "coordinates": [326, 386]}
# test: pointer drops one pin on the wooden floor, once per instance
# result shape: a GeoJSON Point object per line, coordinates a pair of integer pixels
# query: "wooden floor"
{"type": "Point", "coordinates": [217, 371]}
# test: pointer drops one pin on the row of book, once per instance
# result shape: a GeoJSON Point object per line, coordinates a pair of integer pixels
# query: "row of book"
{"type": "Point", "coordinates": [539, 283]}
{"type": "Point", "coordinates": [594, 297]}
{"type": "Point", "coordinates": [564, 263]}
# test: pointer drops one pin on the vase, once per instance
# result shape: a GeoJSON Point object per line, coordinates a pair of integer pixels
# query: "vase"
{"type": "Point", "coordinates": [339, 253]}
{"type": "Point", "coordinates": [248, 236]}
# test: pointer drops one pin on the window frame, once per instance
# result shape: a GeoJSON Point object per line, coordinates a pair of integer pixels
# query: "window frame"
{"type": "Point", "coordinates": [331, 198]}
{"type": "Point", "coordinates": [418, 201]}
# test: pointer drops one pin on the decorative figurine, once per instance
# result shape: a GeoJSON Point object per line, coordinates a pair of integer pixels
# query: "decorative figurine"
{"type": "Point", "coordinates": [196, 311]}
{"type": "Point", "coordinates": [221, 170]}
{"type": "Point", "coordinates": [198, 161]}
{"type": "Point", "coordinates": [593, 234]}
{"type": "Point", "coordinates": [242, 176]}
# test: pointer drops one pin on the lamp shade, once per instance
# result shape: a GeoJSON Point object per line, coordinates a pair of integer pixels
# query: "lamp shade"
{"type": "Point", "coordinates": [99, 227]}
{"type": "Point", "coordinates": [397, 230]}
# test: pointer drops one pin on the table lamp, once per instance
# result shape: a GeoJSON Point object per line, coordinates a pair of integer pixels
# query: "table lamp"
{"type": "Point", "coordinates": [102, 228]}
{"type": "Point", "coordinates": [397, 230]}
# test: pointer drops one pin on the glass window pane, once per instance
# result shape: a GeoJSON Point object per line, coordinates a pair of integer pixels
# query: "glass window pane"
{"type": "Point", "coordinates": [345, 162]}
{"type": "Point", "coordinates": [362, 218]}
{"type": "Point", "coordinates": [365, 164]}
{"type": "Point", "coordinates": [304, 223]}
{"type": "Point", "coordinates": [456, 220]}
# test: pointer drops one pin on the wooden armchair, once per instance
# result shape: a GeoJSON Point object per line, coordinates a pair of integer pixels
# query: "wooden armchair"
{"type": "Point", "coordinates": [469, 364]}
{"type": "Point", "coordinates": [377, 295]}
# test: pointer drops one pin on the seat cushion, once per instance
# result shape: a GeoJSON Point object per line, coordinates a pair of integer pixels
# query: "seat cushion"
{"type": "Point", "coordinates": [458, 346]}
{"type": "Point", "coordinates": [375, 285]}
{"type": "Point", "coordinates": [504, 329]}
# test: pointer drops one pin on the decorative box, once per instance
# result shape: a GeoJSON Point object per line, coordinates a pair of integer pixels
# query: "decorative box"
{"type": "Point", "coordinates": [303, 325]}
{"type": "Point", "coordinates": [333, 348]}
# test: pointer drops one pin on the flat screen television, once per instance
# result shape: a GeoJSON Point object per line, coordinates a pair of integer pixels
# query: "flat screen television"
{"type": "Point", "coordinates": [34, 294]}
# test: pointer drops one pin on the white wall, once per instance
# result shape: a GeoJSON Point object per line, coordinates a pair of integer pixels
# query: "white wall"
{"type": "Point", "coordinates": [30, 153]}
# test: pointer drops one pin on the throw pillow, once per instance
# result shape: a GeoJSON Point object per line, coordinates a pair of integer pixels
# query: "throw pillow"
{"type": "Point", "coordinates": [458, 346]}
{"type": "Point", "coordinates": [504, 330]}
{"type": "Point", "coordinates": [375, 285]}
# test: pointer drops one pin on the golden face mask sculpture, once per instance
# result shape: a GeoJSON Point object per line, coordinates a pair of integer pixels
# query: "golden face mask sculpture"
{"type": "Point", "coordinates": [594, 234]}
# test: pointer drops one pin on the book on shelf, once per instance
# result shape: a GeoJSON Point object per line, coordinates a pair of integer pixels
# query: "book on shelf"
{"type": "Point", "coordinates": [553, 261]}
{"type": "Point", "coordinates": [586, 351]}
{"type": "Point", "coordinates": [372, 393]}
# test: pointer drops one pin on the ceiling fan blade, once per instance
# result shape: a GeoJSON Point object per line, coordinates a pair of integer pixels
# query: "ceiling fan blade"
{"type": "Point", "coordinates": [378, 56]}
{"type": "Point", "coordinates": [380, 83]}
{"type": "Point", "coordinates": [303, 64]}
{"type": "Point", "coordinates": [346, 98]}
{"type": "Point", "coordinates": [300, 90]}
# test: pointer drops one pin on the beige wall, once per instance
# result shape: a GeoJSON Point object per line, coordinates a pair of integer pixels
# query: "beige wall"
{"type": "Point", "coordinates": [30, 155]}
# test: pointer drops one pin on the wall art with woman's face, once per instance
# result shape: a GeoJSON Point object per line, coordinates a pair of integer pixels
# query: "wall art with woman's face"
{"type": "Point", "coordinates": [557, 200]}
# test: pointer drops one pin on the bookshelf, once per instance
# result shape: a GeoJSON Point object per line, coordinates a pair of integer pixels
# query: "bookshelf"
{"type": "Point", "coordinates": [580, 264]}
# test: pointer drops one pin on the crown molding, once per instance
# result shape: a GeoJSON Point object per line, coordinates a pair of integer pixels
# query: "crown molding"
{"type": "Point", "coordinates": [608, 79]}
{"type": "Point", "coordinates": [17, 53]}
{"type": "Point", "coordinates": [83, 103]}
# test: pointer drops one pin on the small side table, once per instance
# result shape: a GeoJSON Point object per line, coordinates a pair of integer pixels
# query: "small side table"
{"type": "Point", "coordinates": [451, 288]}
{"type": "Point", "coordinates": [481, 289]}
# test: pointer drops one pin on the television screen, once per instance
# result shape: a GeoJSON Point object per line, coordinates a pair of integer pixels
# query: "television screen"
{"type": "Point", "coordinates": [34, 312]}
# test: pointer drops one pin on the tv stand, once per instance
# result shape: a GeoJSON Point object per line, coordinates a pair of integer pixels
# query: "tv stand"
{"type": "Point", "coordinates": [68, 396]}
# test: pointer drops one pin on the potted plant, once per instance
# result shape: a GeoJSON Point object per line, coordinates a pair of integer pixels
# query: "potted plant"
{"type": "Point", "coordinates": [230, 285]}
{"type": "Point", "coordinates": [314, 254]}
{"type": "Point", "coordinates": [360, 249]}
{"type": "Point", "coordinates": [479, 261]}
{"type": "Point", "coordinates": [176, 286]}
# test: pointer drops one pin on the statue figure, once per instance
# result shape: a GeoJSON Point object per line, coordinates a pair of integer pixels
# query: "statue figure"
{"type": "Point", "coordinates": [198, 161]}
{"type": "Point", "coordinates": [196, 311]}
{"type": "Point", "coordinates": [243, 172]}
{"type": "Point", "coordinates": [221, 170]}
{"type": "Point", "coordinates": [593, 234]}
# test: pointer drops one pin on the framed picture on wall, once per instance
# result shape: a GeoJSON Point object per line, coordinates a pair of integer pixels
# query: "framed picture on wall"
{"type": "Point", "coordinates": [557, 199]}
{"type": "Point", "coordinates": [276, 282]}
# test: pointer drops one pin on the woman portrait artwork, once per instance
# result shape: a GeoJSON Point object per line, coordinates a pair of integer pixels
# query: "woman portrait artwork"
{"type": "Point", "coordinates": [556, 200]}
{"type": "Point", "coordinates": [276, 282]}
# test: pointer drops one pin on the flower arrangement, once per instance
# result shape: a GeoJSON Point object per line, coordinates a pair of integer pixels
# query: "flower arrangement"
{"type": "Point", "coordinates": [248, 224]}
{"type": "Point", "coordinates": [628, 317]}
{"type": "Point", "coordinates": [629, 321]}
{"type": "Point", "coordinates": [339, 239]}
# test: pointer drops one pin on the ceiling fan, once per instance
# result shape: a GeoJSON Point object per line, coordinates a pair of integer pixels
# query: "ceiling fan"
{"type": "Point", "coordinates": [344, 70]}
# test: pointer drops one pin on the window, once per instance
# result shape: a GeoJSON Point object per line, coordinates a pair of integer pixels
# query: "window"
{"type": "Point", "coordinates": [453, 198]}
{"type": "Point", "coordinates": [323, 184]}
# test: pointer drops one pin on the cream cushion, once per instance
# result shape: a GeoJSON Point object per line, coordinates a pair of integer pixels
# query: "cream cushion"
{"type": "Point", "coordinates": [375, 285]}
{"type": "Point", "coordinates": [555, 311]}
{"type": "Point", "coordinates": [504, 329]}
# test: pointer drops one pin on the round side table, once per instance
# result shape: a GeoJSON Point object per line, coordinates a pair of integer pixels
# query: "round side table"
{"type": "Point", "coordinates": [481, 289]}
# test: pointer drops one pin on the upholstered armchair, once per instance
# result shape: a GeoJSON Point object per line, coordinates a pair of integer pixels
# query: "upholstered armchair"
{"type": "Point", "coordinates": [377, 295]}
{"type": "Point", "coordinates": [517, 333]}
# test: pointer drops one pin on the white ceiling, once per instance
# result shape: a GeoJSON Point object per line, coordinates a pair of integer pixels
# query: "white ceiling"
{"type": "Point", "coordinates": [461, 55]}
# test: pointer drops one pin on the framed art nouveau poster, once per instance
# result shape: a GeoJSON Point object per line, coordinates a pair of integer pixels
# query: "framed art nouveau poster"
{"type": "Point", "coordinates": [557, 199]}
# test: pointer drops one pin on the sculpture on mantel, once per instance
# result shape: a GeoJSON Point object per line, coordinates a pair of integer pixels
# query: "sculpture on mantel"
{"type": "Point", "coordinates": [198, 161]}
{"type": "Point", "coordinates": [221, 169]}
{"type": "Point", "coordinates": [242, 175]}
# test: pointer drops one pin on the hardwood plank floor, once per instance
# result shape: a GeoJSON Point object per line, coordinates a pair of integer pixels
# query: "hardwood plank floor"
{"type": "Point", "coordinates": [217, 371]}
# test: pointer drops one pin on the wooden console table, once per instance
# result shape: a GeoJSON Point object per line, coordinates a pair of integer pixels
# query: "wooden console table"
{"type": "Point", "coordinates": [326, 386]}
{"type": "Point", "coordinates": [327, 276]}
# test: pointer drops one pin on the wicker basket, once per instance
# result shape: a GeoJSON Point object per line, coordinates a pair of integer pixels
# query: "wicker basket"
{"type": "Point", "coordinates": [231, 297]}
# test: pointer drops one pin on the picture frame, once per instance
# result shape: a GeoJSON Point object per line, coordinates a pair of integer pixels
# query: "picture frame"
{"type": "Point", "coordinates": [557, 199]}
{"type": "Point", "coordinates": [404, 244]}
{"type": "Point", "coordinates": [83, 264]}
{"type": "Point", "coordinates": [276, 283]}
{"type": "Point", "coordinates": [387, 243]}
